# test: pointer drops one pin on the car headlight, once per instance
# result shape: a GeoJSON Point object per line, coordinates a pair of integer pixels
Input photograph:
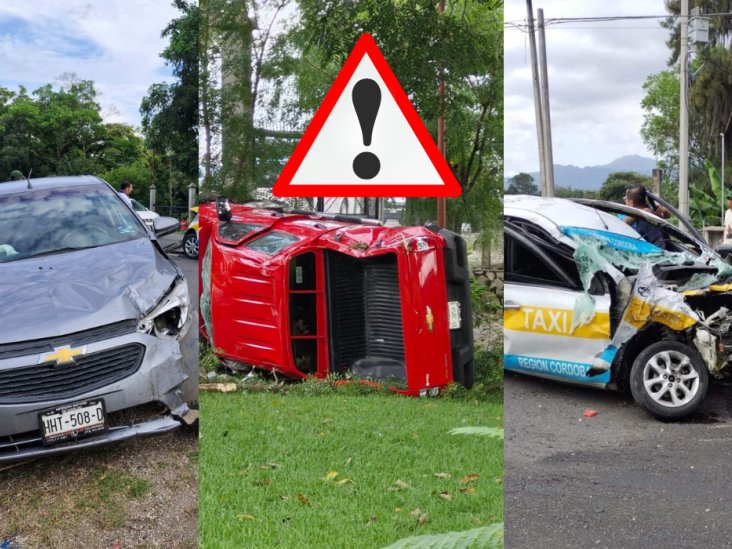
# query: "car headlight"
{"type": "Point", "coordinates": [170, 315]}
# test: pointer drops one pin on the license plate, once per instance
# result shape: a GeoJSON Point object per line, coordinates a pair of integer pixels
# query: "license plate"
{"type": "Point", "coordinates": [453, 309]}
{"type": "Point", "coordinates": [72, 421]}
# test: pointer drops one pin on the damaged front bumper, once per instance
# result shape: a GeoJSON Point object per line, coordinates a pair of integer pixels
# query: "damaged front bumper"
{"type": "Point", "coordinates": [31, 446]}
{"type": "Point", "coordinates": [647, 297]}
{"type": "Point", "coordinates": [162, 377]}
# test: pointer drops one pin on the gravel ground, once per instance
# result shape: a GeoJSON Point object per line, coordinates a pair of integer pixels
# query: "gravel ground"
{"type": "Point", "coordinates": [136, 495]}
{"type": "Point", "coordinates": [139, 494]}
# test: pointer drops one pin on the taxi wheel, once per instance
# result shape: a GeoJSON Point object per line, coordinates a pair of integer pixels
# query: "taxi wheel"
{"type": "Point", "coordinates": [190, 246]}
{"type": "Point", "coordinates": [669, 379]}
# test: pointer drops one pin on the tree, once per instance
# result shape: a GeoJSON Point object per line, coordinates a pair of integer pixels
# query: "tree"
{"type": "Point", "coordinates": [235, 44]}
{"type": "Point", "coordinates": [710, 96]}
{"type": "Point", "coordinates": [170, 111]}
{"type": "Point", "coordinates": [705, 206]}
{"type": "Point", "coordinates": [59, 131]}
{"type": "Point", "coordinates": [522, 183]}
{"type": "Point", "coordinates": [614, 187]}
{"type": "Point", "coordinates": [298, 66]}
{"type": "Point", "coordinates": [660, 129]}
{"type": "Point", "coordinates": [569, 192]}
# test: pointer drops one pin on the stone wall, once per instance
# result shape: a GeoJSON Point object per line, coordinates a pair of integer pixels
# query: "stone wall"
{"type": "Point", "coordinates": [493, 278]}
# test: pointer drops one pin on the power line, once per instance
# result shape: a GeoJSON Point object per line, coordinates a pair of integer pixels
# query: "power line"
{"type": "Point", "coordinates": [521, 25]}
{"type": "Point", "coordinates": [609, 28]}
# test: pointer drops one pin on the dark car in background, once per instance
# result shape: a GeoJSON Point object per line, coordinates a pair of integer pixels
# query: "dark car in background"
{"type": "Point", "coordinates": [93, 315]}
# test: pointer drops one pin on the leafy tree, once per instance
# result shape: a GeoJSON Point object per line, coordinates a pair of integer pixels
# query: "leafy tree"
{"type": "Point", "coordinates": [719, 29]}
{"type": "Point", "coordinates": [660, 129]}
{"type": "Point", "coordinates": [569, 192]}
{"type": "Point", "coordinates": [463, 47]}
{"type": "Point", "coordinates": [614, 187]}
{"type": "Point", "coordinates": [59, 131]}
{"type": "Point", "coordinates": [710, 97]}
{"type": "Point", "coordinates": [235, 45]}
{"type": "Point", "coordinates": [522, 183]}
{"type": "Point", "coordinates": [170, 111]}
{"type": "Point", "coordinates": [52, 131]}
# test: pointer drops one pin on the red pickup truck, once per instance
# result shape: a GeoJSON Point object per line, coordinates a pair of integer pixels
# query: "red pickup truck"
{"type": "Point", "coordinates": [302, 293]}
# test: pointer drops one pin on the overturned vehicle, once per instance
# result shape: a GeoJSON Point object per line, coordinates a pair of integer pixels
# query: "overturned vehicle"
{"type": "Point", "coordinates": [588, 301]}
{"type": "Point", "coordinates": [93, 316]}
{"type": "Point", "coordinates": [301, 294]}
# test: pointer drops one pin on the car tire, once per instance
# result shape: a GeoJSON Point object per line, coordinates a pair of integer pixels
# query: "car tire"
{"type": "Point", "coordinates": [190, 245]}
{"type": "Point", "coordinates": [684, 386]}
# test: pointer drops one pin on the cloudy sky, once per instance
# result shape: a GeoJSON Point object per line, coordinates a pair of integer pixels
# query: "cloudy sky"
{"type": "Point", "coordinates": [596, 74]}
{"type": "Point", "coordinates": [115, 43]}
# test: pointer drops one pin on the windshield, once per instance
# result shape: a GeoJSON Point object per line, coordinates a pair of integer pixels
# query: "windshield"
{"type": "Point", "coordinates": [42, 222]}
{"type": "Point", "coordinates": [272, 243]}
{"type": "Point", "coordinates": [675, 241]}
{"type": "Point", "coordinates": [137, 206]}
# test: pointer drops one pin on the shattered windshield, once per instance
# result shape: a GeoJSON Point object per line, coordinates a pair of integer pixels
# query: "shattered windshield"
{"type": "Point", "coordinates": [272, 243]}
{"type": "Point", "coordinates": [594, 254]}
{"type": "Point", "coordinates": [47, 221]}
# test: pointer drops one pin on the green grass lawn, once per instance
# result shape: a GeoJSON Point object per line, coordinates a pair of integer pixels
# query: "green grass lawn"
{"type": "Point", "coordinates": [341, 470]}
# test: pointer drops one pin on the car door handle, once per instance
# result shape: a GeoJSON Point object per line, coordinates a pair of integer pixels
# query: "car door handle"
{"type": "Point", "coordinates": [511, 305]}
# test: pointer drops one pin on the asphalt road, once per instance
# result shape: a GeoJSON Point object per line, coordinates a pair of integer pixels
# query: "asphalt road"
{"type": "Point", "coordinates": [618, 480]}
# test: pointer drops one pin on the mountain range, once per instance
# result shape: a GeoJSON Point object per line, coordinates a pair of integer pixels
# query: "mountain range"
{"type": "Point", "coordinates": [592, 177]}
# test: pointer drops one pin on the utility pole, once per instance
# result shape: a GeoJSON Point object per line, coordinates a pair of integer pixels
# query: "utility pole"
{"type": "Point", "coordinates": [684, 114]}
{"type": "Point", "coordinates": [537, 97]}
{"type": "Point", "coordinates": [657, 176]}
{"type": "Point", "coordinates": [546, 122]}
{"type": "Point", "coordinates": [441, 202]}
{"type": "Point", "coordinates": [722, 197]}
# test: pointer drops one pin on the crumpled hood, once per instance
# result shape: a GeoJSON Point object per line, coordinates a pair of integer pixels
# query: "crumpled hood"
{"type": "Point", "coordinates": [70, 292]}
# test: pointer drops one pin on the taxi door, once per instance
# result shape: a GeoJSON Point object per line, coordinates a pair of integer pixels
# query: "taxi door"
{"type": "Point", "coordinates": [540, 298]}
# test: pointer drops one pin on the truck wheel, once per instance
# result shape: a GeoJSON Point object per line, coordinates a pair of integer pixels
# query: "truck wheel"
{"type": "Point", "coordinates": [669, 379]}
{"type": "Point", "coordinates": [190, 245]}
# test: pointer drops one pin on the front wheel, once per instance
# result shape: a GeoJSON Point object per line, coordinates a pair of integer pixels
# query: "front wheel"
{"type": "Point", "coordinates": [190, 245]}
{"type": "Point", "coordinates": [669, 379]}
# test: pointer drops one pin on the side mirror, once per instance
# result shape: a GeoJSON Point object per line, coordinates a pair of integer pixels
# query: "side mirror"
{"type": "Point", "coordinates": [223, 208]}
{"type": "Point", "coordinates": [164, 225]}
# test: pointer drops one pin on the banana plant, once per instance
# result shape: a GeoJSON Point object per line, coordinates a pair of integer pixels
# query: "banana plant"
{"type": "Point", "coordinates": [703, 204]}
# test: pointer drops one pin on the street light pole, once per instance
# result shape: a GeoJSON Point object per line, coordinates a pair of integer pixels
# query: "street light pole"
{"type": "Point", "coordinates": [722, 197]}
{"type": "Point", "coordinates": [684, 113]}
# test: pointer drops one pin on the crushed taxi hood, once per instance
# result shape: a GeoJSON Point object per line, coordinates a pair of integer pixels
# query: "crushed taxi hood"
{"type": "Point", "coordinates": [70, 292]}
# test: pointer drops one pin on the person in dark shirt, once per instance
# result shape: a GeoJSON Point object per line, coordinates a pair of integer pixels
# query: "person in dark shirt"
{"type": "Point", "coordinates": [636, 197]}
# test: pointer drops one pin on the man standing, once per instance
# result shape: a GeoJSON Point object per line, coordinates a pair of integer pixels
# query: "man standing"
{"type": "Point", "coordinates": [125, 190]}
{"type": "Point", "coordinates": [728, 221]}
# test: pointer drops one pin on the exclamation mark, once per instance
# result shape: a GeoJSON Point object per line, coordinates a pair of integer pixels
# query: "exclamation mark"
{"type": "Point", "coordinates": [366, 98]}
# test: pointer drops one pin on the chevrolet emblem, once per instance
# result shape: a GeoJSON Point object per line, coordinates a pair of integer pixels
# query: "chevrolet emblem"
{"type": "Point", "coordinates": [429, 318]}
{"type": "Point", "coordinates": [62, 355]}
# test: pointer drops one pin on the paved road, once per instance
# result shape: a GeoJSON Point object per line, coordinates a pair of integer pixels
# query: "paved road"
{"type": "Point", "coordinates": [618, 480]}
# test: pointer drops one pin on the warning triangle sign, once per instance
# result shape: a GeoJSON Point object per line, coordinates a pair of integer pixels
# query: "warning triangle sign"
{"type": "Point", "coordinates": [366, 139]}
